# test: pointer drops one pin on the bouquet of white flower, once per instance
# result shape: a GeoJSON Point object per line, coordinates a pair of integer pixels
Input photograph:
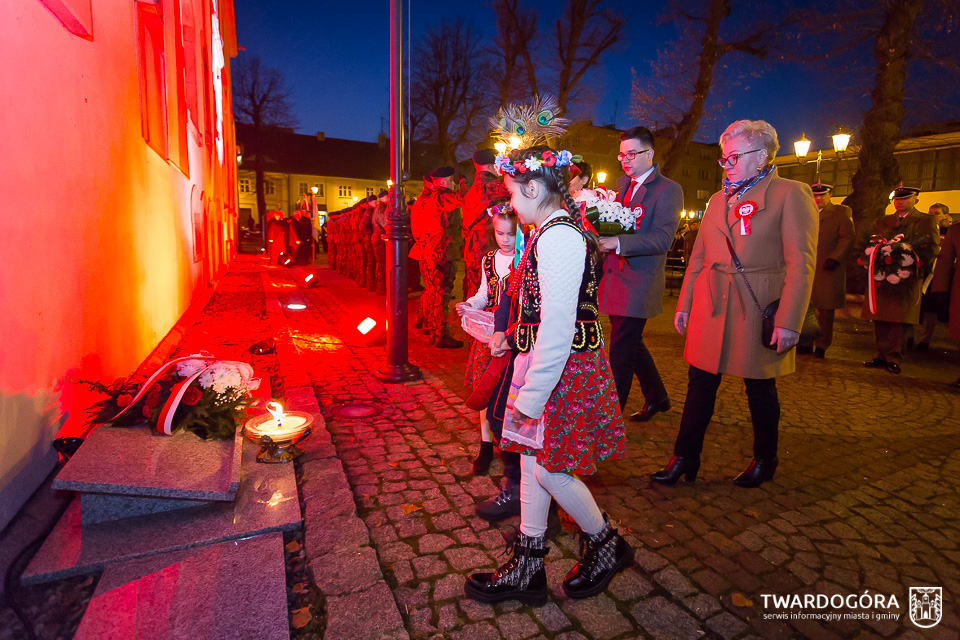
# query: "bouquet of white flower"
{"type": "Point", "coordinates": [608, 216]}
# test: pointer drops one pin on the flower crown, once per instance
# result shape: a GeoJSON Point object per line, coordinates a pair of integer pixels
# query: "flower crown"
{"type": "Point", "coordinates": [499, 210]}
{"type": "Point", "coordinates": [504, 164]}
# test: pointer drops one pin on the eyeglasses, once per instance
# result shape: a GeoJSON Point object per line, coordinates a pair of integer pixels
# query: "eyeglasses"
{"type": "Point", "coordinates": [630, 155]}
{"type": "Point", "coordinates": [734, 157]}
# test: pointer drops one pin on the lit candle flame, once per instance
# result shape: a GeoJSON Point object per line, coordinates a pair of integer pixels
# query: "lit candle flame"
{"type": "Point", "coordinates": [276, 410]}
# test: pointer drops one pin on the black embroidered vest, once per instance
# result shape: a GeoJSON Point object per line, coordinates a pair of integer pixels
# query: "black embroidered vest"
{"type": "Point", "coordinates": [588, 335]}
{"type": "Point", "coordinates": [495, 284]}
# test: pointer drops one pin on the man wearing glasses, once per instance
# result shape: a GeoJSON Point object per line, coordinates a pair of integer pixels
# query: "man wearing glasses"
{"type": "Point", "coordinates": [634, 280]}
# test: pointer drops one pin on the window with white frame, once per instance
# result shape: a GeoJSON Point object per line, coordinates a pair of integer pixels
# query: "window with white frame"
{"type": "Point", "coordinates": [303, 188]}
{"type": "Point", "coordinates": [244, 185]}
{"type": "Point", "coordinates": [370, 191]}
{"type": "Point", "coordinates": [346, 191]}
{"type": "Point", "coordinates": [269, 188]}
{"type": "Point", "coordinates": [319, 189]}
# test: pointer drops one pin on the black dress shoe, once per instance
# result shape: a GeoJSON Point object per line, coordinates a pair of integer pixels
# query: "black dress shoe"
{"type": "Point", "coordinates": [686, 466]}
{"type": "Point", "coordinates": [893, 367]}
{"type": "Point", "coordinates": [651, 409]}
{"type": "Point", "coordinates": [819, 352]}
{"type": "Point", "coordinates": [757, 473]}
{"type": "Point", "coordinates": [876, 363]}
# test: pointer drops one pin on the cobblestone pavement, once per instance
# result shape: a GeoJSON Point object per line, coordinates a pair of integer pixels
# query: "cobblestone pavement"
{"type": "Point", "coordinates": [865, 500]}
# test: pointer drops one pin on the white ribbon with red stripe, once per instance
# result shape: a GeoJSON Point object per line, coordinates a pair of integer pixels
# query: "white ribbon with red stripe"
{"type": "Point", "coordinates": [872, 289]}
{"type": "Point", "coordinates": [203, 355]}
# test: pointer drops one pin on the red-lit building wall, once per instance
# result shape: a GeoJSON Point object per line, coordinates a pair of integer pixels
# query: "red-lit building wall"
{"type": "Point", "coordinates": [117, 177]}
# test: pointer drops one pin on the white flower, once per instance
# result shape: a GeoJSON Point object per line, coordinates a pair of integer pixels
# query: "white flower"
{"type": "Point", "coordinates": [532, 163]}
{"type": "Point", "coordinates": [886, 250]}
{"type": "Point", "coordinates": [189, 367]}
{"type": "Point", "coordinates": [903, 273]}
{"type": "Point", "coordinates": [876, 276]}
{"type": "Point", "coordinates": [893, 279]}
{"type": "Point", "coordinates": [906, 260]}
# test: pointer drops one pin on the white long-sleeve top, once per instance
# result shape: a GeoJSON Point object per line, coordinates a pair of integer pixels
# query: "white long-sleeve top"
{"type": "Point", "coordinates": [561, 254]}
{"type": "Point", "coordinates": [501, 266]}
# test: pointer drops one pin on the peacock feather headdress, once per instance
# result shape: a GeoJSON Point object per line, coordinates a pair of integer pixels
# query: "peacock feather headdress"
{"type": "Point", "coordinates": [532, 123]}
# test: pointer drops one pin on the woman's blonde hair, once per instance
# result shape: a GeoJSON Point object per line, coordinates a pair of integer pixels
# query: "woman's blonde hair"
{"type": "Point", "coordinates": [756, 131]}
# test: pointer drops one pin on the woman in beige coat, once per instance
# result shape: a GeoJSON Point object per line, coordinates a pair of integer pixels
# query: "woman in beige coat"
{"type": "Point", "coordinates": [771, 224]}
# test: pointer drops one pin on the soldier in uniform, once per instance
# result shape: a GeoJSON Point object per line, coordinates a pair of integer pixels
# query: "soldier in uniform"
{"type": "Point", "coordinates": [442, 223]}
{"type": "Point", "coordinates": [379, 246]}
{"type": "Point", "coordinates": [830, 280]}
{"type": "Point", "coordinates": [896, 312]}
{"type": "Point", "coordinates": [945, 287]}
{"type": "Point", "coordinates": [487, 186]}
{"type": "Point", "coordinates": [368, 274]}
{"type": "Point", "coordinates": [416, 252]}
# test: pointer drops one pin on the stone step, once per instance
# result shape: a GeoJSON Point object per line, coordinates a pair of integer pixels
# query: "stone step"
{"type": "Point", "coordinates": [266, 500]}
{"type": "Point", "coordinates": [134, 461]}
{"type": "Point", "coordinates": [232, 590]}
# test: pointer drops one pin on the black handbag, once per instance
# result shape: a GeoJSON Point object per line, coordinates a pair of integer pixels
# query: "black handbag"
{"type": "Point", "coordinates": [809, 331]}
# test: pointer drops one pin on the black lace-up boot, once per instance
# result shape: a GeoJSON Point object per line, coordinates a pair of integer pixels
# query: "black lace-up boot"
{"type": "Point", "coordinates": [503, 505]}
{"type": "Point", "coordinates": [522, 578]}
{"type": "Point", "coordinates": [602, 556]}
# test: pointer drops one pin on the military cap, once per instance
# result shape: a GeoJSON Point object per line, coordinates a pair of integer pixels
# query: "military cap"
{"type": "Point", "coordinates": [821, 188]}
{"type": "Point", "coordinates": [485, 156]}
{"type": "Point", "coordinates": [382, 194]}
{"type": "Point", "coordinates": [904, 192]}
{"type": "Point", "coordinates": [370, 199]}
{"type": "Point", "coordinates": [443, 172]}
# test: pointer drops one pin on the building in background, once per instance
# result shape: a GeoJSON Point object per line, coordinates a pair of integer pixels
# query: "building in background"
{"type": "Point", "coordinates": [120, 208]}
{"type": "Point", "coordinates": [928, 155]}
{"type": "Point", "coordinates": [343, 171]}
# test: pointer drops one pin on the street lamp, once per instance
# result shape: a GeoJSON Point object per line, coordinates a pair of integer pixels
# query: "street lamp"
{"type": "Point", "coordinates": [802, 146]}
{"type": "Point", "coordinates": [840, 142]}
{"type": "Point", "coordinates": [389, 183]}
{"type": "Point", "coordinates": [601, 176]}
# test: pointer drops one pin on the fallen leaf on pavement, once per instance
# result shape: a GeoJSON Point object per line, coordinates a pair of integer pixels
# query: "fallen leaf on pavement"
{"type": "Point", "coordinates": [293, 546]}
{"type": "Point", "coordinates": [300, 618]}
{"type": "Point", "coordinates": [410, 508]}
{"type": "Point", "coordinates": [740, 600]}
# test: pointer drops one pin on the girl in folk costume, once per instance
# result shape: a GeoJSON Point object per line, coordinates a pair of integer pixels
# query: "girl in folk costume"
{"type": "Point", "coordinates": [495, 269]}
{"type": "Point", "coordinates": [565, 416]}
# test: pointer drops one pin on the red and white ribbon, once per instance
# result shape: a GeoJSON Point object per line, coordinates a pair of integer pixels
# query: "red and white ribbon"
{"type": "Point", "coordinates": [203, 355]}
{"type": "Point", "coordinates": [745, 211]}
{"type": "Point", "coordinates": [640, 212]}
{"type": "Point", "coordinates": [872, 289]}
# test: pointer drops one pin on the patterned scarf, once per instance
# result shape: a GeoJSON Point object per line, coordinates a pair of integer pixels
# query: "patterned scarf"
{"type": "Point", "coordinates": [741, 187]}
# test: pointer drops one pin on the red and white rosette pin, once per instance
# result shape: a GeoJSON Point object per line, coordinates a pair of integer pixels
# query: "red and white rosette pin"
{"type": "Point", "coordinates": [639, 211]}
{"type": "Point", "coordinates": [745, 211]}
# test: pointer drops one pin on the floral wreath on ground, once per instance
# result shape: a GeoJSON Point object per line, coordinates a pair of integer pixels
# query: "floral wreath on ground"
{"type": "Point", "coordinates": [606, 214]}
{"type": "Point", "coordinates": [195, 393]}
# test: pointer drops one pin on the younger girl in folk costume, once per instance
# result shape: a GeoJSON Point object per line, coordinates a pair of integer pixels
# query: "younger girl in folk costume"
{"type": "Point", "coordinates": [566, 415]}
{"type": "Point", "coordinates": [495, 269]}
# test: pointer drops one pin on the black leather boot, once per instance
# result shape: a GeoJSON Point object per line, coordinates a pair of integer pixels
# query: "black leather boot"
{"type": "Point", "coordinates": [503, 505]}
{"type": "Point", "coordinates": [757, 473]}
{"type": "Point", "coordinates": [522, 578]}
{"type": "Point", "coordinates": [602, 556]}
{"type": "Point", "coordinates": [687, 466]}
{"type": "Point", "coordinates": [481, 464]}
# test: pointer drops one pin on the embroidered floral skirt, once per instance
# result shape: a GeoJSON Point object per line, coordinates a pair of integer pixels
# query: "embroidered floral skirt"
{"type": "Point", "coordinates": [582, 420]}
{"type": "Point", "coordinates": [477, 363]}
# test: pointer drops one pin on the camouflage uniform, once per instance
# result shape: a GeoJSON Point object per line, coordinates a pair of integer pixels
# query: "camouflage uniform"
{"type": "Point", "coordinates": [441, 248]}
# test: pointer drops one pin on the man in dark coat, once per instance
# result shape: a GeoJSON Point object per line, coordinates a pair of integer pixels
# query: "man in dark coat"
{"type": "Point", "coordinates": [830, 280]}
{"type": "Point", "coordinates": [301, 237]}
{"type": "Point", "coordinates": [894, 313]}
{"type": "Point", "coordinates": [634, 275]}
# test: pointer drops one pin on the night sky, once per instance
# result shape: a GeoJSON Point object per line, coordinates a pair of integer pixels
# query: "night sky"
{"type": "Point", "coordinates": [335, 58]}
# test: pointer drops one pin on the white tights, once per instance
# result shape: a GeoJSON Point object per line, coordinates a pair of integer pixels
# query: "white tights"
{"type": "Point", "coordinates": [537, 485]}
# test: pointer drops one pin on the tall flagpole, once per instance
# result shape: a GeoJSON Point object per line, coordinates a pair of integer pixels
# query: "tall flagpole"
{"type": "Point", "coordinates": [397, 368]}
